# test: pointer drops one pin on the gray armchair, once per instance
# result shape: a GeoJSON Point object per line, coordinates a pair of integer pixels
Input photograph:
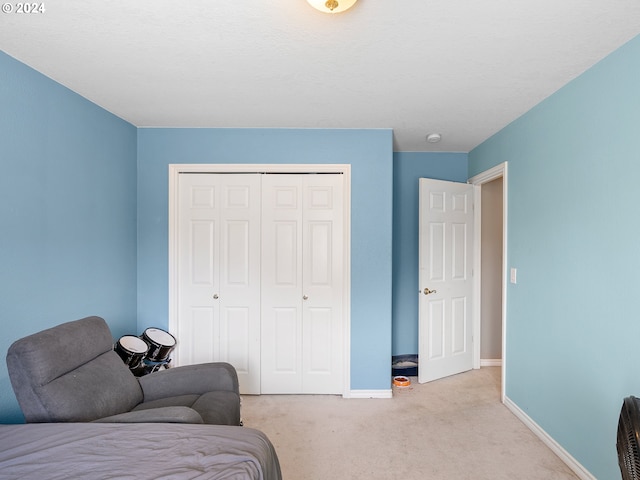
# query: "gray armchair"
{"type": "Point", "coordinates": [70, 373]}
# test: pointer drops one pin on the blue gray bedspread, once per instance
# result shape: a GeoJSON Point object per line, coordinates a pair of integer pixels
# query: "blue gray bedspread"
{"type": "Point", "coordinates": [50, 451]}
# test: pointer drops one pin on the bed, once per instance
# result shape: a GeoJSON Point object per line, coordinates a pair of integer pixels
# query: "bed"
{"type": "Point", "coordinates": [48, 451]}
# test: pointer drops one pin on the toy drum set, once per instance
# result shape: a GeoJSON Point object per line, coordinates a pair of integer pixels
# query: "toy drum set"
{"type": "Point", "coordinates": [147, 353]}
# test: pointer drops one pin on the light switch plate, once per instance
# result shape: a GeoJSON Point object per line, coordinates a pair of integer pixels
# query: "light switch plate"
{"type": "Point", "coordinates": [514, 275]}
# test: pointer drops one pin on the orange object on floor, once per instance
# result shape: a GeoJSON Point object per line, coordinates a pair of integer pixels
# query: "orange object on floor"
{"type": "Point", "coordinates": [401, 381]}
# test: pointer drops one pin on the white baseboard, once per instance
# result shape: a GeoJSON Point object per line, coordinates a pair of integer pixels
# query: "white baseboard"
{"type": "Point", "coordinates": [571, 462]}
{"type": "Point", "coordinates": [490, 362]}
{"type": "Point", "coordinates": [370, 394]}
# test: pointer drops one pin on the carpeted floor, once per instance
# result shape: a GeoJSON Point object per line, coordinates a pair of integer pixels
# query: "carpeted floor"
{"type": "Point", "coordinates": [453, 429]}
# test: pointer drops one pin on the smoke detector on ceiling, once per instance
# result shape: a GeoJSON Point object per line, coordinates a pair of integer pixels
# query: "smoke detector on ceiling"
{"type": "Point", "coordinates": [434, 137]}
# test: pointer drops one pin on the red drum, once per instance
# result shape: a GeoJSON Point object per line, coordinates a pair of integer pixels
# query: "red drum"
{"type": "Point", "coordinates": [131, 350]}
{"type": "Point", "coordinates": [160, 343]}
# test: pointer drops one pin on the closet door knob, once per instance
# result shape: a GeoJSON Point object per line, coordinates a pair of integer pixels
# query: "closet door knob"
{"type": "Point", "coordinates": [215, 296]}
{"type": "Point", "coordinates": [305, 297]}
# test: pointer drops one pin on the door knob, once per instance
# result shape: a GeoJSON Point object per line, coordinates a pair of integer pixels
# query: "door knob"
{"type": "Point", "coordinates": [427, 291]}
{"type": "Point", "coordinates": [305, 297]}
{"type": "Point", "coordinates": [215, 296]}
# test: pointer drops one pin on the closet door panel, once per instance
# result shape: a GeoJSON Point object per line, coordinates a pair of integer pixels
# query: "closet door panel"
{"type": "Point", "coordinates": [322, 284]}
{"type": "Point", "coordinates": [198, 270]}
{"type": "Point", "coordinates": [285, 262]}
{"type": "Point", "coordinates": [318, 346]}
{"type": "Point", "coordinates": [239, 295]}
{"type": "Point", "coordinates": [235, 329]}
{"type": "Point", "coordinates": [219, 272]}
{"type": "Point", "coordinates": [197, 348]}
{"type": "Point", "coordinates": [281, 284]}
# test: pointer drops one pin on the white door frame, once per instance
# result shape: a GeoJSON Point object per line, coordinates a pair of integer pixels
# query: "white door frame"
{"type": "Point", "coordinates": [345, 169]}
{"type": "Point", "coordinates": [478, 180]}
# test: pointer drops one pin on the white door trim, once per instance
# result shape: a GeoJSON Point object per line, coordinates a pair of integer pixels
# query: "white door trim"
{"type": "Point", "coordinates": [345, 169]}
{"type": "Point", "coordinates": [477, 180]}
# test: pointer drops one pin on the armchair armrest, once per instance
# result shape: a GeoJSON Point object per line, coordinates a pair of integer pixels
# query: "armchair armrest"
{"type": "Point", "coordinates": [189, 380]}
{"type": "Point", "coordinates": [155, 415]}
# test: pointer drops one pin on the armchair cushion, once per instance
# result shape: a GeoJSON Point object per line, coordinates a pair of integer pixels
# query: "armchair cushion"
{"type": "Point", "coordinates": [91, 391]}
{"type": "Point", "coordinates": [211, 389]}
{"type": "Point", "coordinates": [190, 379]}
{"type": "Point", "coordinates": [219, 407]}
{"type": "Point", "coordinates": [156, 415]}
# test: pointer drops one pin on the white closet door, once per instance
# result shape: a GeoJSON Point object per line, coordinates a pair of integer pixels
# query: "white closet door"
{"type": "Point", "coordinates": [219, 273]}
{"type": "Point", "coordinates": [302, 277]}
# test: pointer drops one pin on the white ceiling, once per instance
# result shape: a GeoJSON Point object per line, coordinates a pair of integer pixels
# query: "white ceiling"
{"type": "Point", "coordinates": [462, 68]}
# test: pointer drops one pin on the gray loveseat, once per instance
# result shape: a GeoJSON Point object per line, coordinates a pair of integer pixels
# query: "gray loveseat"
{"type": "Point", "coordinates": [70, 373]}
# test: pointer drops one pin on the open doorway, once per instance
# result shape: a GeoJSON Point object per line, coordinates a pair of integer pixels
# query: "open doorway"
{"type": "Point", "coordinates": [490, 267]}
{"type": "Point", "coordinates": [491, 274]}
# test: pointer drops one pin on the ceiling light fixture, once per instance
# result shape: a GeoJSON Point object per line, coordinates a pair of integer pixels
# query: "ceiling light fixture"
{"type": "Point", "coordinates": [434, 137]}
{"type": "Point", "coordinates": [331, 6]}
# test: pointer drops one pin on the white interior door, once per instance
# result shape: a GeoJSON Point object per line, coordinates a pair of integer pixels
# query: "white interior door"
{"type": "Point", "coordinates": [219, 273]}
{"type": "Point", "coordinates": [302, 284]}
{"type": "Point", "coordinates": [445, 274]}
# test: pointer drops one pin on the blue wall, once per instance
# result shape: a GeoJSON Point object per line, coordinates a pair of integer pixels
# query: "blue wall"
{"type": "Point", "coordinates": [370, 154]}
{"type": "Point", "coordinates": [573, 329]}
{"type": "Point", "coordinates": [408, 167]}
{"type": "Point", "coordinates": [67, 212]}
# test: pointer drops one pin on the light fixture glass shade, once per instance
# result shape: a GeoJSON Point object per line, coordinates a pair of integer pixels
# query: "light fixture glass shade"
{"type": "Point", "coordinates": [332, 6]}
